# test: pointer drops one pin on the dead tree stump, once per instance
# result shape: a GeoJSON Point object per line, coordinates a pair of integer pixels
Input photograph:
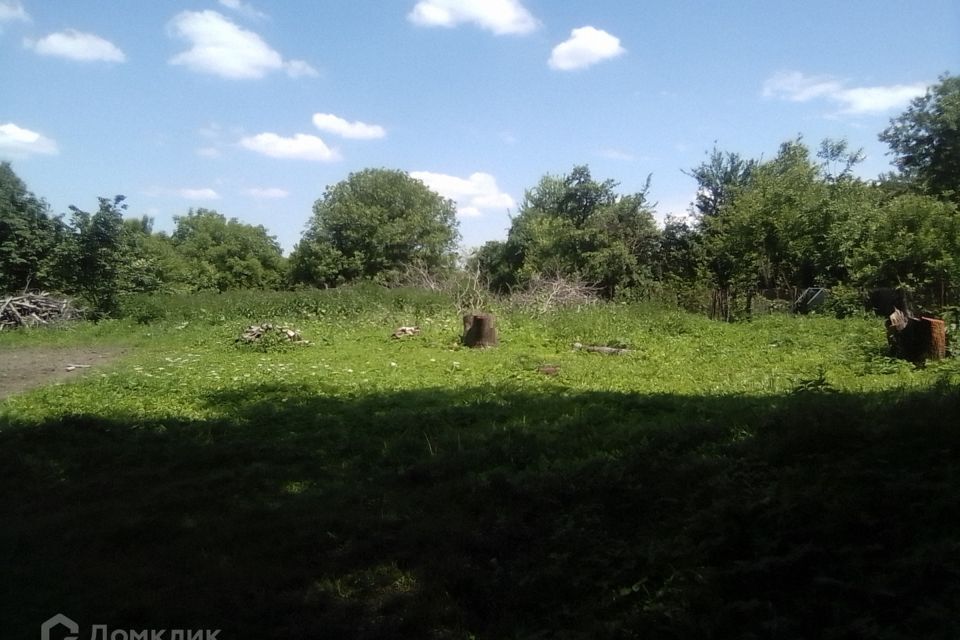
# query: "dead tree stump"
{"type": "Point", "coordinates": [480, 330]}
{"type": "Point", "coordinates": [916, 339]}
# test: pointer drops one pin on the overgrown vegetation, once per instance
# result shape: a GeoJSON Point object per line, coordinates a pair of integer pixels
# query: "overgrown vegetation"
{"type": "Point", "coordinates": [779, 478]}
{"type": "Point", "coordinates": [759, 228]}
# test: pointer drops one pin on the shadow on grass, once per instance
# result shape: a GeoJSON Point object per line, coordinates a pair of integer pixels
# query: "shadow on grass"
{"type": "Point", "coordinates": [440, 514]}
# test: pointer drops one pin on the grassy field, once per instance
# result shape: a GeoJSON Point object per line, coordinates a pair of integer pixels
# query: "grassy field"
{"type": "Point", "coordinates": [780, 478]}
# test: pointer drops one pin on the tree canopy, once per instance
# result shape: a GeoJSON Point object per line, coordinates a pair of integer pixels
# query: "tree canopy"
{"type": "Point", "coordinates": [575, 226]}
{"type": "Point", "coordinates": [28, 236]}
{"type": "Point", "coordinates": [925, 139]}
{"type": "Point", "coordinates": [372, 226]}
{"type": "Point", "coordinates": [220, 254]}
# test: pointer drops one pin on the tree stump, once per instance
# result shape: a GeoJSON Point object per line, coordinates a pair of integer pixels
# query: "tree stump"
{"type": "Point", "coordinates": [916, 339]}
{"type": "Point", "coordinates": [480, 330]}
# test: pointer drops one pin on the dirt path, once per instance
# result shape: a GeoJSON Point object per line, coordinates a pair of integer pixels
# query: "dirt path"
{"type": "Point", "coordinates": [29, 367]}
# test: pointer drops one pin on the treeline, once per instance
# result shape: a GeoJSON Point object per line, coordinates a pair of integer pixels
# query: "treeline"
{"type": "Point", "coordinates": [800, 219]}
{"type": "Point", "coordinates": [101, 256]}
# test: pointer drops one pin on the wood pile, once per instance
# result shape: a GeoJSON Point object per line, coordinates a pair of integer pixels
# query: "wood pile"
{"type": "Point", "coordinates": [256, 333]}
{"type": "Point", "coordinates": [33, 309]}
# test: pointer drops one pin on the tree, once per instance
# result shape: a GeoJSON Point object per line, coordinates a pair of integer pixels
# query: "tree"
{"type": "Point", "coordinates": [223, 254]}
{"type": "Point", "coordinates": [718, 180]}
{"type": "Point", "coordinates": [575, 226]}
{"type": "Point", "coordinates": [925, 140]}
{"type": "Point", "coordinates": [911, 241]}
{"type": "Point", "coordinates": [372, 226]}
{"type": "Point", "coordinates": [791, 224]}
{"type": "Point", "coordinates": [94, 257]}
{"type": "Point", "coordinates": [28, 237]}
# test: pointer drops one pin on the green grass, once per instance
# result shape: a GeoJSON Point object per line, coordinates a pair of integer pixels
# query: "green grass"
{"type": "Point", "coordinates": [781, 478]}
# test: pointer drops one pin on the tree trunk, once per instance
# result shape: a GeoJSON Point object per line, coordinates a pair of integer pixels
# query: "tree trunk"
{"type": "Point", "coordinates": [916, 339]}
{"type": "Point", "coordinates": [480, 330]}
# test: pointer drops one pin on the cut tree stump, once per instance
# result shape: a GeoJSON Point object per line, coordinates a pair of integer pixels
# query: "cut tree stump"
{"type": "Point", "coordinates": [480, 330]}
{"type": "Point", "coordinates": [916, 339]}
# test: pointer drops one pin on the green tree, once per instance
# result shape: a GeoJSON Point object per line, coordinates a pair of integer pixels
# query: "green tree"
{"type": "Point", "coordinates": [575, 226]}
{"type": "Point", "coordinates": [155, 264]}
{"type": "Point", "coordinates": [94, 257]}
{"type": "Point", "coordinates": [372, 226]}
{"type": "Point", "coordinates": [925, 140]}
{"type": "Point", "coordinates": [493, 261]}
{"type": "Point", "coordinates": [719, 178]}
{"type": "Point", "coordinates": [222, 254]}
{"type": "Point", "coordinates": [791, 224]}
{"type": "Point", "coordinates": [911, 241]}
{"type": "Point", "coordinates": [29, 236]}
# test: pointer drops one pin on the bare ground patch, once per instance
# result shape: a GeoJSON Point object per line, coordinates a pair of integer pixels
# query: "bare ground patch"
{"type": "Point", "coordinates": [26, 368]}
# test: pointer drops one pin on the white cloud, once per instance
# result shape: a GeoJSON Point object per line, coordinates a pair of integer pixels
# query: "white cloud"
{"type": "Point", "coordinates": [245, 9]}
{"type": "Point", "coordinates": [796, 86]}
{"type": "Point", "coordinates": [198, 194]}
{"type": "Point", "coordinates": [499, 16]}
{"type": "Point", "coordinates": [338, 126]}
{"type": "Point", "coordinates": [266, 193]}
{"type": "Point", "coordinates": [473, 195]}
{"type": "Point", "coordinates": [586, 46]}
{"type": "Point", "coordinates": [616, 154]}
{"type": "Point", "coordinates": [879, 99]}
{"type": "Point", "coordinates": [300, 147]}
{"type": "Point", "coordinates": [220, 47]}
{"type": "Point", "coordinates": [77, 45]}
{"type": "Point", "coordinates": [12, 10]}
{"type": "Point", "coordinates": [19, 142]}
{"type": "Point", "coordinates": [299, 69]}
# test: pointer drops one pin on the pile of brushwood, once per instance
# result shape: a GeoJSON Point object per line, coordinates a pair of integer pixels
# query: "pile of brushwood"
{"type": "Point", "coordinates": [33, 309]}
{"type": "Point", "coordinates": [266, 335]}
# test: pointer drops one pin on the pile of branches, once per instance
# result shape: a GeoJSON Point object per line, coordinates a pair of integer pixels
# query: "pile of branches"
{"type": "Point", "coordinates": [33, 309]}
{"type": "Point", "coordinates": [258, 332]}
{"type": "Point", "coordinates": [544, 294]}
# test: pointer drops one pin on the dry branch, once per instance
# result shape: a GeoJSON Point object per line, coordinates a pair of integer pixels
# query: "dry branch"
{"type": "Point", "coordinates": [32, 309]}
{"type": "Point", "coordinates": [256, 332]}
{"type": "Point", "coordinates": [610, 351]}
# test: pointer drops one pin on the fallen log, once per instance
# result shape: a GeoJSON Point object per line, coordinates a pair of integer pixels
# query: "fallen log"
{"type": "Point", "coordinates": [610, 351]}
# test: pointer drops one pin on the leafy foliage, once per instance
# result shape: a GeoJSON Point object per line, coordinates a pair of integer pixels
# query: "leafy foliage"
{"type": "Point", "coordinates": [28, 237]}
{"type": "Point", "coordinates": [371, 226]}
{"type": "Point", "coordinates": [577, 227]}
{"type": "Point", "coordinates": [925, 140]}
{"type": "Point", "coordinates": [221, 254]}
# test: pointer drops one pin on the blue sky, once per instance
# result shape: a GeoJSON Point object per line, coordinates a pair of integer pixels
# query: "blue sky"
{"type": "Point", "coordinates": [252, 107]}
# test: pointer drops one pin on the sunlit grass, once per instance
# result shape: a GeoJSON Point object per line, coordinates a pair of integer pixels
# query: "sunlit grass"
{"type": "Point", "coordinates": [716, 478]}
